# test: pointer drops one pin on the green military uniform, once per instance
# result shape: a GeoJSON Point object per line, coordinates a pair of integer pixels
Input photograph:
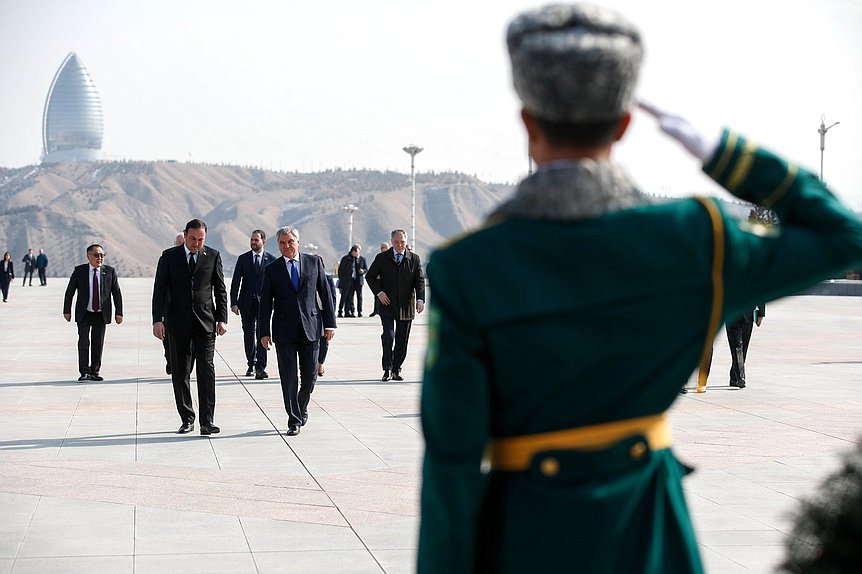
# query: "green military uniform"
{"type": "Point", "coordinates": [574, 322]}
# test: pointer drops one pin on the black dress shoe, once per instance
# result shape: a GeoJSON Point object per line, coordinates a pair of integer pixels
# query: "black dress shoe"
{"type": "Point", "coordinates": [292, 430]}
{"type": "Point", "coordinates": [359, 314]}
{"type": "Point", "coordinates": [304, 418]}
{"type": "Point", "coordinates": [186, 428]}
{"type": "Point", "coordinates": [96, 378]}
{"type": "Point", "coordinates": [372, 315]}
{"type": "Point", "coordinates": [683, 390]}
{"type": "Point", "coordinates": [249, 372]}
{"type": "Point", "coordinates": [261, 375]}
{"type": "Point", "coordinates": [385, 376]}
{"type": "Point", "coordinates": [396, 376]}
{"type": "Point", "coordinates": [738, 384]}
{"type": "Point", "coordinates": [209, 429]}
{"type": "Point", "coordinates": [340, 314]}
{"type": "Point", "coordinates": [84, 377]}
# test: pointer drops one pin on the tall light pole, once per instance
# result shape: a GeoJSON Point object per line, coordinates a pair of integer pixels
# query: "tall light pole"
{"type": "Point", "coordinates": [413, 149]}
{"type": "Point", "coordinates": [822, 131]}
{"type": "Point", "coordinates": [350, 208]}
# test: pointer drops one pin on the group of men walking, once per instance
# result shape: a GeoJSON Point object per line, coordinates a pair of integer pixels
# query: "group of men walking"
{"type": "Point", "coordinates": [285, 302]}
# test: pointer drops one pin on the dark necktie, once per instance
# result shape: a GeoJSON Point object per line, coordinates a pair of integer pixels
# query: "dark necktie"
{"type": "Point", "coordinates": [191, 263]}
{"type": "Point", "coordinates": [257, 262]}
{"type": "Point", "coordinates": [398, 258]}
{"type": "Point", "coordinates": [96, 297]}
{"type": "Point", "coordinates": [294, 275]}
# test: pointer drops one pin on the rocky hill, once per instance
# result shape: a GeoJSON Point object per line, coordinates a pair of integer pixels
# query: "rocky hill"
{"type": "Point", "coordinates": [136, 208]}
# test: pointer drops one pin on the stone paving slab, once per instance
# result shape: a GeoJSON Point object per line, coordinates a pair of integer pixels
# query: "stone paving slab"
{"type": "Point", "coordinates": [93, 478]}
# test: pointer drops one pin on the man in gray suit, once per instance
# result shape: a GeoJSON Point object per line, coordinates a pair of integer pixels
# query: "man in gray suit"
{"type": "Point", "coordinates": [296, 291]}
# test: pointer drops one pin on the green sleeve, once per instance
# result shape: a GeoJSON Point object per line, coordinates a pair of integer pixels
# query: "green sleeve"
{"type": "Point", "coordinates": [817, 236]}
{"type": "Point", "coordinates": [455, 421]}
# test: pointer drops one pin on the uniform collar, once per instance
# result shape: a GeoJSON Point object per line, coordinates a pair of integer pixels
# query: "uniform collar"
{"type": "Point", "coordinates": [573, 190]}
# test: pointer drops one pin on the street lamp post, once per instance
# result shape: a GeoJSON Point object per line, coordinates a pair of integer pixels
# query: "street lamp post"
{"type": "Point", "coordinates": [350, 208]}
{"type": "Point", "coordinates": [822, 131]}
{"type": "Point", "coordinates": [413, 149]}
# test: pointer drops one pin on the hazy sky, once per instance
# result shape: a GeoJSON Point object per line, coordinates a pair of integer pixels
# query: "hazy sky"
{"type": "Point", "coordinates": [302, 85]}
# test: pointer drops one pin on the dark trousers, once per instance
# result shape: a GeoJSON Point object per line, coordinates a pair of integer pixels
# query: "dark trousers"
{"type": "Point", "coordinates": [43, 276]}
{"type": "Point", "coordinates": [28, 272]}
{"type": "Point", "coordinates": [345, 303]}
{"type": "Point", "coordinates": [738, 337]}
{"type": "Point", "coordinates": [395, 335]}
{"type": "Point", "coordinates": [184, 349]}
{"type": "Point", "coordinates": [166, 343]}
{"type": "Point", "coordinates": [4, 288]}
{"type": "Point", "coordinates": [91, 340]}
{"type": "Point", "coordinates": [358, 290]}
{"type": "Point", "coordinates": [296, 398]}
{"type": "Point", "coordinates": [255, 354]}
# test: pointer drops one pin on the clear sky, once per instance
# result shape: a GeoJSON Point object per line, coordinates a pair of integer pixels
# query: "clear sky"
{"type": "Point", "coordinates": [311, 85]}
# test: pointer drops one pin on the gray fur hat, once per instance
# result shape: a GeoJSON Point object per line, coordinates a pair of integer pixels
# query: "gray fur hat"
{"type": "Point", "coordinates": [574, 63]}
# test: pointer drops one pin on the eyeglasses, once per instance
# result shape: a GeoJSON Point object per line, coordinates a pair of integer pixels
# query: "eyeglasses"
{"type": "Point", "coordinates": [98, 255]}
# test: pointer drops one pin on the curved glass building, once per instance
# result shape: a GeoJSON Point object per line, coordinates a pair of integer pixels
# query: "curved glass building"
{"type": "Point", "coordinates": [72, 123]}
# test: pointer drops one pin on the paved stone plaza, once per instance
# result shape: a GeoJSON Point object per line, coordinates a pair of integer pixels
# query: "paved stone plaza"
{"type": "Point", "coordinates": [93, 478]}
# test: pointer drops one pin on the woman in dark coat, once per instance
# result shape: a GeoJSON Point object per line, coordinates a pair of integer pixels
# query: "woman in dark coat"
{"type": "Point", "coordinates": [7, 274]}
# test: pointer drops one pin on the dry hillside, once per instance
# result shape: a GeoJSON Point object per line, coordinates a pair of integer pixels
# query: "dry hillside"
{"type": "Point", "coordinates": [136, 208]}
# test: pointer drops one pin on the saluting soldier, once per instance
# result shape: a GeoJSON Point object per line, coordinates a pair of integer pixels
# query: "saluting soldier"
{"type": "Point", "coordinates": [566, 391]}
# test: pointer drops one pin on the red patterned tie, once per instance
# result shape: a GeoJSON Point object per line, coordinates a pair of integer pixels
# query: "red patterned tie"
{"type": "Point", "coordinates": [96, 298]}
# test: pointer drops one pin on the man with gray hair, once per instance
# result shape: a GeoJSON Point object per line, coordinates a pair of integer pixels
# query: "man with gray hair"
{"type": "Point", "coordinates": [398, 283]}
{"type": "Point", "coordinates": [295, 299]}
{"type": "Point", "coordinates": [564, 394]}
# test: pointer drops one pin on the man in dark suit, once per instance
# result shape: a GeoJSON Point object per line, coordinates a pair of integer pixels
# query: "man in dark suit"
{"type": "Point", "coordinates": [189, 293]}
{"type": "Point", "coordinates": [245, 290]}
{"type": "Point", "coordinates": [29, 262]}
{"type": "Point", "coordinates": [359, 282]}
{"type": "Point", "coordinates": [738, 336]}
{"type": "Point", "coordinates": [42, 266]}
{"type": "Point", "coordinates": [351, 278]}
{"type": "Point", "coordinates": [96, 285]}
{"type": "Point", "coordinates": [396, 279]}
{"type": "Point", "coordinates": [295, 289]}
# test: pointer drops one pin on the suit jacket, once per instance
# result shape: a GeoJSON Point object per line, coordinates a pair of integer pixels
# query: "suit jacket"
{"type": "Point", "coordinates": [403, 284]}
{"type": "Point", "coordinates": [109, 289]}
{"type": "Point", "coordinates": [345, 271]}
{"type": "Point", "coordinates": [310, 309]}
{"type": "Point", "coordinates": [183, 300]}
{"type": "Point", "coordinates": [29, 262]}
{"type": "Point", "coordinates": [41, 261]}
{"type": "Point", "coordinates": [247, 281]}
{"type": "Point", "coordinates": [361, 270]}
{"type": "Point", "coordinates": [7, 274]}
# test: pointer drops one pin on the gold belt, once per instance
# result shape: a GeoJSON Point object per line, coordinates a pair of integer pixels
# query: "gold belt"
{"type": "Point", "coordinates": [515, 453]}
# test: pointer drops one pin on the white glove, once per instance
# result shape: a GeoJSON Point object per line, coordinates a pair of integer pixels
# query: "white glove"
{"type": "Point", "coordinates": [677, 127]}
